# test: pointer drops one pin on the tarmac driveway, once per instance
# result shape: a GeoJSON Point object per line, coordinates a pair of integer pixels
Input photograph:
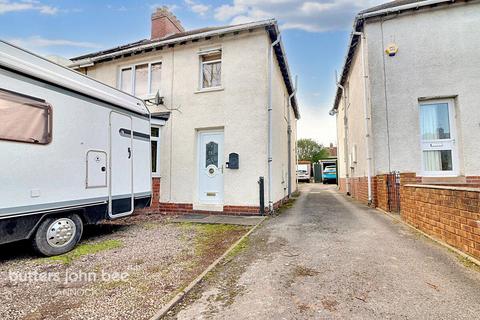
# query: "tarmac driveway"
{"type": "Point", "coordinates": [329, 257]}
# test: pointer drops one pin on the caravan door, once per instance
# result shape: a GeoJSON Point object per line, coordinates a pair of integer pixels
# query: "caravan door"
{"type": "Point", "coordinates": [121, 165]}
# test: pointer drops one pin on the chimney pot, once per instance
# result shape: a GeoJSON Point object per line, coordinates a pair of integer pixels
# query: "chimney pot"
{"type": "Point", "coordinates": [164, 24]}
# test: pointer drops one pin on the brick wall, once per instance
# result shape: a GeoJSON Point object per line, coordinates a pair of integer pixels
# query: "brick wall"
{"type": "Point", "coordinates": [359, 189]}
{"type": "Point", "coordinates": [450, 214]}
{"type": "Point", "coordinates": [342, 185]}
{"type": "Point", "coordinates": [382, 192]}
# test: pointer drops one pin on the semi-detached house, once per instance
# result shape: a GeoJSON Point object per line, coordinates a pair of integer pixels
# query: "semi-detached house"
{"type": "Point", "coordinates": [407, 99]}
{"type": "Point", "coordinates": [223, 111]}
{"type": "Point", "coordinates": [408, 102]}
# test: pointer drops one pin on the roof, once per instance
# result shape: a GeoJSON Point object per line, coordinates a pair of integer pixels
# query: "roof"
{"type": "Point", "coordinates": [392, 7]}
{"type": "Point", "coordinates": [391, 4]}
{"type": "Point", "coordinates": [146, 41]}
{"type": "Point", "coordinates": [165, 115]}
{"type": "Point", "coordinates": [148, 45]}
{"type": "Point", "coordinates": [30, 64]}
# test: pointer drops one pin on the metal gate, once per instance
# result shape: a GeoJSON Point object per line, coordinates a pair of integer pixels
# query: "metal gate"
{"type": "Point", "coordinates": [393, 191]}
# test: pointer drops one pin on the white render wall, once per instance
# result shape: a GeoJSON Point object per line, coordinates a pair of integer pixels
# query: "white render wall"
{"type": "Point", "coordinates": [240, 109]}
{"type": "Point", "coordinates": [438, 56]}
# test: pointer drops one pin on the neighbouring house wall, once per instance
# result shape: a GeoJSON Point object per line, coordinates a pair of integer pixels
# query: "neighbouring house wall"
{"type": "Point", "coordinates": [352, 104]}
{"type": "Point", "coordinates": [280, 137]}
{"type": "Point", "coordinates": [441, 60]}
{"type": "Point", "coordinates": [449, 214]}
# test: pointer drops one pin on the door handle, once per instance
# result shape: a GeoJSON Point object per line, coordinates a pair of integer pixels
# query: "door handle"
{"type": "Point", "coordinates": [129, 153]}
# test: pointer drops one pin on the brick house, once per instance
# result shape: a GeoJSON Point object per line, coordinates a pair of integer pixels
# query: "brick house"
{"type": "Point", "coordinates": [407, 102]}
{"type": "Point", "coordinates": [223, 110]}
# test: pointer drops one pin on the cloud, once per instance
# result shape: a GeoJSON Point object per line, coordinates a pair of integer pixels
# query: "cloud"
{"type": "Point", "coordinates": [7, 6]}
{"type": "Point", "coordinates": [307, 15]}
{"type": "Point", "coordinates": [317, 124]}
{"type": "Point", "coordinates": [199, 8]}
{"type": "Point", "coordinates": [36, 42]}
{"type": "Point", "coordinates": [117, 8]}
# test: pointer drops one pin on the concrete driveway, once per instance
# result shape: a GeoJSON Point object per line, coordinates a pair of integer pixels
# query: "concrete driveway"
{"type": "Point", "coordinates": [329, 257]}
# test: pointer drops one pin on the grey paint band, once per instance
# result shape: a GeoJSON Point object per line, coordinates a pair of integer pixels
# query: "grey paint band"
{"type": "Point", "coordinates": [40, 208]}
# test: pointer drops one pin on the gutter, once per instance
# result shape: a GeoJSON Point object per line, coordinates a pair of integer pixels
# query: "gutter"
{"type": "Point", "coordinates": [397, 9]}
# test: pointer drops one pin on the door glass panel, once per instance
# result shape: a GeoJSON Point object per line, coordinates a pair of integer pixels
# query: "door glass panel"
{"type": "Point", "coordinates": [211, 154]}
{"type": "Point", "coordinates": [437, 160]}
{"type": "Point", "coordinates": [154, 156]}
{"type": "Point", "coordinates": [154, 132]}
{"type": "Point", "coordinates": [435, 122]}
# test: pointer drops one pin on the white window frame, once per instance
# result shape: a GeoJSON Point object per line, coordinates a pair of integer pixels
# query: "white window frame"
{"type": "Point", "coordinates": [149, 80]}
{"type": "Point", "coordinates": [202, 53]}
{"type": "Point", "coordinates": [440, 144]}
{"type": "Point", "coordinates": [156, 174]}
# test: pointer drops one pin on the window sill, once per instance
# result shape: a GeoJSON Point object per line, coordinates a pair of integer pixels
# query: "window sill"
{"type": "Point", "coordinates": [156, 175]}
{"type": "Point", "coordinates": [447, 179]}
{"type": "Point", "coordinates": [210, 89]}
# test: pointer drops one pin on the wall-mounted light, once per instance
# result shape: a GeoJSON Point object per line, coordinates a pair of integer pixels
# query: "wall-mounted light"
{"type": "Point", "coordinates": [391, 50]}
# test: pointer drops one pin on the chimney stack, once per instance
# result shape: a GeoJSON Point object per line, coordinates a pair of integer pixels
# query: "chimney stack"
{"type": "Point", "coordinates": [164, 24]}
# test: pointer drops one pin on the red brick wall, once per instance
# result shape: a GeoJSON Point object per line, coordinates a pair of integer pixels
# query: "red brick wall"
{"type": "Point", "coordinates": [164, 23]}
{"type": "Point", "coordinates": [452, 216]}
{"type": "Point", "coordinates": [342, 185]}
{"type": "Point", "coordinates": [359, 189]}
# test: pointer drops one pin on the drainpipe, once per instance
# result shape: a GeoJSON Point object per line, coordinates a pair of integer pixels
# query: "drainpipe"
{"type": "Point", "coordinates": [270, 124]}
{"type": "Point", "coordinates": [365, 111]}
{"type": "Point", "coordinates": [289, 133]}
{"type": "Point", "coordinates": [345, 142]}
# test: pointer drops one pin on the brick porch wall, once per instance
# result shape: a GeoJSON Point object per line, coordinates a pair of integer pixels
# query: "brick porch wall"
{"type": "Point", "coordinates": [450, 214]}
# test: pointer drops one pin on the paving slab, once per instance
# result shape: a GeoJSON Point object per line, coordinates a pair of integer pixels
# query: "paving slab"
{"type": "Point", "coordinates": [220, 219]}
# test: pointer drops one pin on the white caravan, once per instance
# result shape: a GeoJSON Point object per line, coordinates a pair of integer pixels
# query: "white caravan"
{"type": "Point", "coordinates": [73, 151]}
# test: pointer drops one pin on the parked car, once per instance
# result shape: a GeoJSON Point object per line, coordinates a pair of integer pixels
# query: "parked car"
{"type": "Point", "coordinates": [303, 172]}
{"type": "Point", "coordinates": [330, 174]}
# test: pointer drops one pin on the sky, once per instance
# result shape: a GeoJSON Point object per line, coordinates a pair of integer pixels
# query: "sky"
{"type": "Point", "coordinates": [315, 34]}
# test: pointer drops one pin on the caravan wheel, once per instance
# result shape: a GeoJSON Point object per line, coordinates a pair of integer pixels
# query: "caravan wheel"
{"type": "Point", "coordinates": [57, 235]}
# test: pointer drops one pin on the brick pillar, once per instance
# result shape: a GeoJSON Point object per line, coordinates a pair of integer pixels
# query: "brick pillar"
{"type": "Point", "coordinates": [405, 178]}
{"type": "Point", "coordinates": [154, 206]}
{"type": "Point", "coordinates": [382, 192]}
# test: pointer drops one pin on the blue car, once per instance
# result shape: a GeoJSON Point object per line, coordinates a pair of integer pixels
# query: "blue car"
{"type": "Point", "coordinates": [330, 174]}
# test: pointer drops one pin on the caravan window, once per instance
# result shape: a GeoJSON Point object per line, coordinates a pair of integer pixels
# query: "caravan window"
{"type": "Point", "coordinates": [24, 118]}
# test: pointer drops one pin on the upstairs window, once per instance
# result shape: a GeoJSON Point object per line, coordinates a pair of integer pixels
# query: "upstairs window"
{"type": "Point", "coordinates": [141, 80]}
{"type": "Point", "coordinates": [211, 69]}
{"type": "Point", "coordinates": [24, 118]}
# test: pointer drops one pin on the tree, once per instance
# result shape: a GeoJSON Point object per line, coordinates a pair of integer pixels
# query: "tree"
{"type": "Point", "coordinates": [309, 149]}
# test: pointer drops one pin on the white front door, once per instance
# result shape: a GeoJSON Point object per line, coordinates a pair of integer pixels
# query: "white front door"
{"type": "Point", "coordinates": [210, 171]}
{"type": "Point", "coordinates": [121, 165]}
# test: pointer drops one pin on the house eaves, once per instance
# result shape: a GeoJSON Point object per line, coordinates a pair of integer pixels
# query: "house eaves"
{"type": "Point", "coordinates": [387, 9]}
{"type": "Point", "coordinates": [143, 46]}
